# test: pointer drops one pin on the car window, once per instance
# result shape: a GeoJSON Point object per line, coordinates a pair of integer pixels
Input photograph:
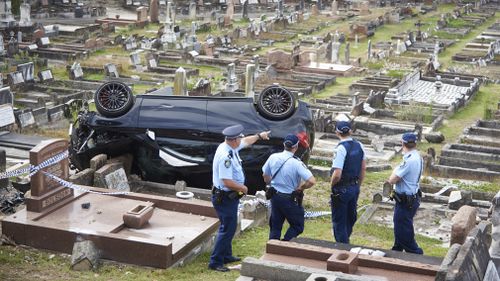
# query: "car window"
{"type": "Point", "coordinates": [187, 150]}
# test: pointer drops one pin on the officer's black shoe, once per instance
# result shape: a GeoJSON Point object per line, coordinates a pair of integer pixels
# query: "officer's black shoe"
{"type": "Point", "coordinates": [232, 259]}
{"type": "Point", "coordinates": [219, 268]}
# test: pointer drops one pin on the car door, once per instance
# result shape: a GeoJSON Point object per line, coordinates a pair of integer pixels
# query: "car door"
{"type": "Point", "coordinates": [178, 124]}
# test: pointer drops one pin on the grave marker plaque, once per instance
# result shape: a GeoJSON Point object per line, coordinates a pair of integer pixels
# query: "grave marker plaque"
{"type": "Point", "coordinates": [6, 115]}
{"type": "Point", "coordinates": [45, 192]}
{"type": "Point", "coordinates": [28, 70]}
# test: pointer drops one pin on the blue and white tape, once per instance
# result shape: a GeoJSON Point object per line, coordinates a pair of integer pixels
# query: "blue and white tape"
{"type": "Point", "coordinates": [307, 214]}
{"type": "Point", "coordinates": [34, 169]}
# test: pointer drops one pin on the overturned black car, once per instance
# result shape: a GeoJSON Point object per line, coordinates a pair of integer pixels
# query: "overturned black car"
{"type": "Point", "coordinates": [175, 137]}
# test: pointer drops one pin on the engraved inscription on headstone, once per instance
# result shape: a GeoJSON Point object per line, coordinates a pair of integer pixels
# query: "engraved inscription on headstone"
{"type": "Point", "coordinates": [6, 115]}
{"type": "Point", "coordinates": [26, 119]}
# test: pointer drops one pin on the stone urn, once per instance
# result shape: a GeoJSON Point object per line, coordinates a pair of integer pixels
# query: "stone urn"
{"type": "Point", "coordinates": [139, 215]}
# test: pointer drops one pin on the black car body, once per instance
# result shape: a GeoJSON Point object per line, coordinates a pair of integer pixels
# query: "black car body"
{"type": "Point", "coordinates": [187, 131]}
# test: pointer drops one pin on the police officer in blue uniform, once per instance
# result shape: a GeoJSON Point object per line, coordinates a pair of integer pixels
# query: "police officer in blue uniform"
{"type": "Point", "coordinates": [407, 195]}
{"type": "Point", "coordinates": [348, 172]}
{"type": "Point", "coordinates": [228, 186]}
{"type": "Point", "coordinates": [289, 177]}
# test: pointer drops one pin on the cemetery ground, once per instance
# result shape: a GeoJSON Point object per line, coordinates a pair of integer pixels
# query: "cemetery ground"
{"type": "Point", "coordinates": [25, 263]}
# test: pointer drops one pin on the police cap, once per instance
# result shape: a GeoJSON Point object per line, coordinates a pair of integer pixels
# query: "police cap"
{"type": "Point", "coordinates": [343, 127]}
{"type": "Point", "coordinates": [291, 141]}
{"type": "Point", "coordinates": [409, 138]}
{"type": "Point", "coordinates": [233, 132]}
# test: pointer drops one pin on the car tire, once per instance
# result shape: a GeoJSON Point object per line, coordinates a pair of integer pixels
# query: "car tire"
{"type": "Point", "coordinates": [276, 103]}
{"type": "Point", "coordinates": [113, 99]}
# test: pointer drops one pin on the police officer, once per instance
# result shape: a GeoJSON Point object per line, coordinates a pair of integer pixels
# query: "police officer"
{"type": "Point", "coordinates": [348, 172]}
{"type": "Point", "coordinates": [289, 177]}
{"type": "Point", "coordinates": [228, 185]}
{"type": "Point", "coordinates": [406, 177]}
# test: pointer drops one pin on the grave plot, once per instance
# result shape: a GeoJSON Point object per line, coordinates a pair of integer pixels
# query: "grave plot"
{"type": "Point", "coordinates": [305, 259]}
{"type": "Point", "coordinates": [441, 93]}
{"type": "Point", "coordinates": [476, 157]}
{"type": "Point", "coordinates": [56, 217]}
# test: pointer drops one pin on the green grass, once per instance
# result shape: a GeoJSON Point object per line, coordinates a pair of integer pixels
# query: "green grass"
{"type": "Point", "coordinates": [464, 117]}
{"type": "Point", "coordinates": [341, 86]}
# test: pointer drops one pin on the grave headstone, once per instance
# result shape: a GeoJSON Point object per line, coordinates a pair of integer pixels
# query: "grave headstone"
{"type": "Point", "coordinates": [111, 71]}
{"type": "Point", "coordinates": [435, 59]}
{"type": "Point", "coordinates": [44, 42]}
{"type": "Point", "coordinates": [180, 82]}
{"type": "Point", "coordinates": [347, 54]}
{"type": "Point", "coordinates": [335, 7]}
{"type": "Point", "coordinates": [192, 10]}
{"type": "Point", "coordinates": [25, 16]}
{"type": "Point", "coordinates": [335, 52]}
{"type": "Point", "coordinates": [365, 8]}
{"type": "Point", "coordinates": [142, 14]}
{"type": "Point", "coordinates": [15, 78]}
{"type": "Point", "coordinates": [12, 47]}
{"type": "Point", "coordinates": [135, 58]}
{"type": "Point", "coordinates": [232, 80]}
{"type": "Point", "coordinates": [6, 96]}
{"type": "Point", "coordinates": [6, 115]}
{"type": "Point", "coordinates": [2, 46]}
{"type": "Point", "coordinates": [153, 11]}
{"type": "Point", "coordinates": [28, 71]}
{"type": "Point", "coordinates": [45, 75]}
{"type": "Point", "coordinates": [76, 71]}
{"type": "Point", "coordinates": [229, 12]}
{"type": "Point", "coordinates": [369, 50]}
{"type": "Point", "coordinates": [26, 119]}
{"type": "Point", "coordinates": [244, 12]}
{"type": "Point", "coordinates": [249, 80]}
{"type": "Point", "coordinates": [314, 10]}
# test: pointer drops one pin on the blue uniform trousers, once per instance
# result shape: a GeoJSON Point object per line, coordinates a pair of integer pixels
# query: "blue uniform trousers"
{"type": "Point", "coordinates": [404, 235]}
{"type": "Point", "coordinates": [283, 207]}
{"type": "Point", "coordinates": [227, 212]}
{"type": "Point", "coordinates": [344, 213]}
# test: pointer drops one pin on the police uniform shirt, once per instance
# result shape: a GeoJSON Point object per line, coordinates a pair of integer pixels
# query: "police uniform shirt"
{"type": "Point", "coordinates": [290, 175]}
{"type": "Point", "coordinates": [340, 154]}
{"type": "Point", "coordinates": [227, 165]}
{"type": "Point", "coordinates": [409, 171]}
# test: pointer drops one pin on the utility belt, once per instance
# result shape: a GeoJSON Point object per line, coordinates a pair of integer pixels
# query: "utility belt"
{"type": "Point", "coordinates": [295, 196]}
{"type": "Point", "coordinates": [346, 183]}
{"type": "Point", "coordinates": [220, 194]}
{"type": "Point", "coordinates": [406, 200]}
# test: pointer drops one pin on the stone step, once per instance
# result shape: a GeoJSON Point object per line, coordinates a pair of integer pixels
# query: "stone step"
{"type": "Point", "coordinates": [467, 163]}
{"type": "Point", "coordinates": [464, 173]}
{"type": "Point", "coordinates": [470, 155]}
{"type": "Point", "coordinates": [481, 140]}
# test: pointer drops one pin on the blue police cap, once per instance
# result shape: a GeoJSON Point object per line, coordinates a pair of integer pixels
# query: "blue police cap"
{"type": "Point", "coordinates": [343, 127]}
{"type": "Point", "coordinates": [291, 140]}
{"type": "Point", "coordinates": [409, 137]}
{"type": "Point", "coordinates": [233, 132]}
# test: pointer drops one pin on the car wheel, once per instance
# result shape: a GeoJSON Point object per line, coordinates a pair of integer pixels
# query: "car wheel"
{"type": "Point", "coordinates": [276, 103]}
{"type": "Point", "coordinates": [113, 99]}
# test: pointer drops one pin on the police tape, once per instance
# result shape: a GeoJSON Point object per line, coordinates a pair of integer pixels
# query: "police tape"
{"type": "Point", "coordinates": [307, 214]}
{"type": "Point", "coordinates": [79, 188]}
{"type": "Point", "coordinates": [34, 169]}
